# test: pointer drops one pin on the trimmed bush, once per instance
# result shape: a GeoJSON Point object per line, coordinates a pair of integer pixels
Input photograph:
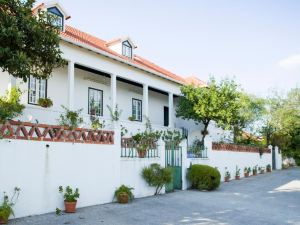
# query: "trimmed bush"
{"type": "Point", "coordinates": [204, 177]}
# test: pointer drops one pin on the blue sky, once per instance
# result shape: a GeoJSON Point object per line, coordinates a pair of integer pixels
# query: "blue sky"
{"type": "Point", "coordinates": [256, 41]}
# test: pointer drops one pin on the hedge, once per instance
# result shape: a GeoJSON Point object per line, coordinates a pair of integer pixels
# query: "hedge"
{"type": "Point", "coordinates": [204, 177]}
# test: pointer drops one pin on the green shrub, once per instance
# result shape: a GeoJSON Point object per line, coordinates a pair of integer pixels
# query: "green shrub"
{"type": "Point", "coordinates": [157, 176]}
{"type": "Point", "coordinates": [204, 177]}
{"type": "Point", "coordinates": [71, 119]}
{"type": "Point", "coordinates": [10, 106]}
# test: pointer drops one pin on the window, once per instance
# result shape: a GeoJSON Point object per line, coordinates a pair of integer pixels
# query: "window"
{"type": "Point", "coordinates": [127, 49]}
{"type": "Point", "coordinates": [137, 109]}
{"type": "Point", "coordinates": [95, 102]}
{"type": "Point", "coordinates": [37, 88]}
{"type": "Point", "coordinates": [57, 17]}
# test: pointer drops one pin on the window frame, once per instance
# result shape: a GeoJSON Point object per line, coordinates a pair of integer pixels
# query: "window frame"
{"type": "Point", "coordinates": [95, 89]}
{"type": "Point", "coordinates": [138, 100]}
{"type": "Point", "coordinates": [38, 97]}
{"type": "Point", "coordinates": [59, 14]}
{"type": "Point", "coordinates": [124, 46]}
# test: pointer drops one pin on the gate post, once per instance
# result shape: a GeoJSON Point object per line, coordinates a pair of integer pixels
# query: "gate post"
{"type": "Point", "coordinates": [162, 152]}
{"type": "Point", "coordinates": [278, 158]}
{"type": "Point", "coordinates": [185, 164]}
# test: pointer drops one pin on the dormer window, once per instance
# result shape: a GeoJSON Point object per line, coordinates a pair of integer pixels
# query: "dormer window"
{"type": "Point", "coordinates": [127, 49]}
{"type": "Point", "coordinates": [57, 17]}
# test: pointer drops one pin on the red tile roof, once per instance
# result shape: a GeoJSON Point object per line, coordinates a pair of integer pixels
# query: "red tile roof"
{"type": "Point", "coordinates": [85, 38]}
{"type": "Point", "coordinates": [82, 37]}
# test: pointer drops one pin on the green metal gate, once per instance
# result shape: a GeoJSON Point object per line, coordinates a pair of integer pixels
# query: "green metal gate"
{"type": "Point", "coordinates": [174, 162]}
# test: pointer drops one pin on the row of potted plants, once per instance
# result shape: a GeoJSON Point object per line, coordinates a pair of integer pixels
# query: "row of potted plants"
{"type": "Point", "coordinates": [247, 172]}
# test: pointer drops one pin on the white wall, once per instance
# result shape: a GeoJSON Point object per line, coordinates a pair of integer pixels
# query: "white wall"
{"type": "Point", "coordinates": [39, 171]}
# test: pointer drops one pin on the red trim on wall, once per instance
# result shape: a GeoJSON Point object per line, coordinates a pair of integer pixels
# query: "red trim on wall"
{"type": "Point", "coordinates": [238, 148]}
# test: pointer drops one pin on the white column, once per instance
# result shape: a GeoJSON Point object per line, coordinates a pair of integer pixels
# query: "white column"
{"type": "Point", "coordinates": [113, 86]}
{"type": "Point", "coordinates": [12, 82]}
{"type": "Point", "coordinates": [145, 101]}
{"type": "Point", "coordinates": [171, 111]}
{"type": "Point", "coordinates": [71, 78]}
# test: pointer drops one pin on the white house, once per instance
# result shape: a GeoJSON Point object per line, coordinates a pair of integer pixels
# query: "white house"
{"type": "Point", "coordinates": [99, 74]}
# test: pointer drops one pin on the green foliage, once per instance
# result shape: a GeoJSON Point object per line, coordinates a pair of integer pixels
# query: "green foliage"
{"type": "Point", "coordinates": [10, 106]}
{"type": "Point", "coordinates": [268, 167]}
{"type": "Point", "coordinates": [6, 208]}
{"type": "Point", "coordinates": [69, 194]}
{"type": "Point", "coordinates": [124, 189]}
{"type": "Point", "coordinates": [250, 111]}
{"type": "Point", "coordinates": [172, 136]}
{"type": "Point", "coordinates": [203, 177]}
{"type": "Point", "coordinates": [144, 140]}
{"type": "Point", "coordinates": [131, 118]}
{"type": "Point", "coordinates": [96, 124]}
{"type": "Point", "coordinates": [281, 123]}
{"type": "Point", "coordinates": [157, 176]}
{"type": "Point", "coordinates": [219, 102]}
{"type": "Point", "coordinates": [227, 174]}
{"type": "Point", "coordinates": [58, 211]}
{"type": "Point", "coordinates": [254, 170]}
{"type": "Point", "coordinates": [45, 102]}
{"type": "Point", "coordinates": [71, 119]}
{"type": "Point", "coordinates": [29, 45]}
{"type": "Point", "coordinates": [115, 113]}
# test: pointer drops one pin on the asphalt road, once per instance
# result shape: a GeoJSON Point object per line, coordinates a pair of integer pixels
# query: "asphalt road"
{"type": "Point", "coordinates": [272, 198]}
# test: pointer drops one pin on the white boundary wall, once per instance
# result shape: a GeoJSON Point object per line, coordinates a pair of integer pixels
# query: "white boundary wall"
{"type": "Point", "coordinates": [231, 159]}
{"type": "Point", "coordinates": [97, 170]}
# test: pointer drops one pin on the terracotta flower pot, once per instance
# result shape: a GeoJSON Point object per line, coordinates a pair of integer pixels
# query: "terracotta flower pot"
{"type": "Point", "coordinates": [142, 153]}
{"type": "Point", "coordinates": [70, 207]}
{"type": "Point", "coordinates": [246, 174]}
{"type": "Point", "coordinates": [269, 170]}
{"type": "Point", "coordinates": [226, 179]}
{"type": "Point", "coordinates": [3, 220]}
{"type": "Point", "coordinates": [237, 177]}
{"type": "Point", "coordinates": [123, 198]}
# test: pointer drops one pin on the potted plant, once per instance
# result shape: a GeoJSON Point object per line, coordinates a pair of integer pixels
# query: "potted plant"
{"type": "Point", "coordinates": [6, 208]}
{"type": "Point", "coordinates": [227, 176]}
{"type": "Point", "coordinates": [70, 119]}
{"type": "Point", "coordinates": [261, 170]}
{"type": "Point", "coordinates": [237, 173]}
{"type": "Point", "coordinates": [254, 171]}
{"type": "Point", "coordinates": [45, 102]}
{"type": "Point", "coordinates": [246, 172]}
{"type": "Point", "coordinates": [70, 198]}
{"type": "Point", "coordinates": [249, 171]}
{"type": "Point", "coordinates": [269, 168]}
{"type": "Point", "coordinates": [123, 194]}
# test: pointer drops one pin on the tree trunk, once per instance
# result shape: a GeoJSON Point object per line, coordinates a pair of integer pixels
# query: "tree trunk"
{"type": "Point", "coordinates": [204, 132]}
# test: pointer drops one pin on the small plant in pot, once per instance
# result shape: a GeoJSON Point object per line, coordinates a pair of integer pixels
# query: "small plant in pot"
{"type": "Point", "coordinates": [227, 176]}
{"type": "Point", "coordinates": [141, 146]}
{"type": "Point", "coordinates": [237, 173]}
{"type": "Point", "coordinates": [45, 102]}
{"type": "Point", "coordinates": [261, 170]}
{"type": "Point", "coordinates": [124, 194]}
{"type": "Point", "coordinates": [70, 198]}
{"type": "Point", "coordinates": [6, 208]}
{"type": "Point", "coordinates": [246, 172]}
{"type": "Point", "coordinates": [254, 171]}
{"type": "Point", "coordinates": [269, 168]}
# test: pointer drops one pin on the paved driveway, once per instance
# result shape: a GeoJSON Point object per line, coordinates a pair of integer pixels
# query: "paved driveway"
{"type": "Point", "coordinates": [266, 199]}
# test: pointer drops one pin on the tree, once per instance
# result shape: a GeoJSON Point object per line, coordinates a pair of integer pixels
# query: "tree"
{"type": "Point", "coordinates": [250, 111]}
{"type": "Point", "coordinates": [29, 44]}
{"type": "Point", "coordinates": [219, 102]}
{"type": "Point", "coordinates": [282, 122]}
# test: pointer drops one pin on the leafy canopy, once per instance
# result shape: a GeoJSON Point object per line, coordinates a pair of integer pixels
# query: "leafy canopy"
{"type": "Point", "coordinates": [29, 44]}
{"type": "Point", "coordinates": [219, 102]}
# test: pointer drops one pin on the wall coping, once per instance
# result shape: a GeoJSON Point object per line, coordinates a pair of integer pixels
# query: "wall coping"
{"type": "Point", "coordinates": [238, 148]}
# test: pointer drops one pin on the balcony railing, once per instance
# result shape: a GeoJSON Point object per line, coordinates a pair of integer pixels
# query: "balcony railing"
{"type": "Point", "coordinates": [129, 150]}
{"type": "Point", "coordinates": [198, 151]}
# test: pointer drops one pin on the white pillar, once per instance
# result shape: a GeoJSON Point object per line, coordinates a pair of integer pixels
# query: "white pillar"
{"type": "Point", "coordinates": [71, 78]}
{"type": "Point", "coordinates": [12, 82]}
{"type": "Point", "coordinates": [171, 111]}
{"type": "Point", "coordinates": [145, 101]}
{"type": "Point", "coordinates": [113, 86]}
